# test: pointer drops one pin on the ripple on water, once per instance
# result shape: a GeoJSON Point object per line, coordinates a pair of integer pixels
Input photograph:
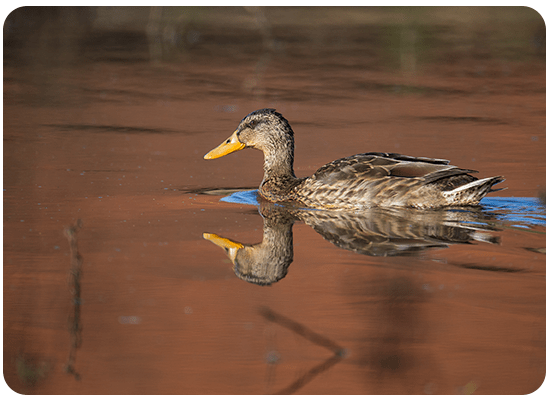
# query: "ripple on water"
{"type": "Point", "coordinates": [523, 212]}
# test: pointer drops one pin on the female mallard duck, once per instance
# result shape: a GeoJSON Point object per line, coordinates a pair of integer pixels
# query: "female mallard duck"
{"type": "Point", "coordinates": [357, 182]}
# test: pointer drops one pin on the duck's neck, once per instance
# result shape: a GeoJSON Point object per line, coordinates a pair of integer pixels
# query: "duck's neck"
{"type": "Point", "coordinates": [279, 175]}
{"type": "Point", "coordinates": [279, 163]}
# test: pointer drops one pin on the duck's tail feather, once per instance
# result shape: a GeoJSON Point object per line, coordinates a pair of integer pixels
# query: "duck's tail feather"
{"type": "Point", "coordinates": [471, 193]}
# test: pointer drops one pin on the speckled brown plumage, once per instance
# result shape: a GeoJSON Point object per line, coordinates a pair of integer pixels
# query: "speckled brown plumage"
{"type": "Point", "coordinates": [357, 182]}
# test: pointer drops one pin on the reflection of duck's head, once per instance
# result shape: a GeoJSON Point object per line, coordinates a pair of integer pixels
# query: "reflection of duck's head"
{"type": "Point", "coordinates": [262, 264]}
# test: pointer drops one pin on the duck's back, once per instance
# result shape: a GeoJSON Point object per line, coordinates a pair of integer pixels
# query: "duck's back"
{"type": "Point", "coordinates": [388, 179]}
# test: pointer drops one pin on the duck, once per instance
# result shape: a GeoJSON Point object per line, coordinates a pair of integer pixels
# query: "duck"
{"type": "Point", "coordinates": [357, 182]}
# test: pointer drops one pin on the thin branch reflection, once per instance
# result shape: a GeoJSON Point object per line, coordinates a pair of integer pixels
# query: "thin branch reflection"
{"type": "Point", "coordinates": [338, 352]}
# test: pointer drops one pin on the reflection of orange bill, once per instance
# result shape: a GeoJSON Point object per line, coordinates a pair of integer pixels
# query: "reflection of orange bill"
{"type": "Point", "coordinates": [229, 246]}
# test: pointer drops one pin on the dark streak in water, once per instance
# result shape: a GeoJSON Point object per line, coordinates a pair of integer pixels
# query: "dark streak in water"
{"type": "Point", "coordinates": [110, 128]}
{"type": "Point", "coordinates": [490, 268]}
{"type": "Point", "coordinates": [75, 274]}
{"type": "Point", "coordinates": [449, 118]}
{"type": "Point", "coordinates": [541, 250]}
{"type": "Point", "coordinates": [214, 191]}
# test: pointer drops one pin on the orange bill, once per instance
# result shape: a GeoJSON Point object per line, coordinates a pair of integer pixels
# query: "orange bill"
{"type": "Point", "coordinates": [229, 146]}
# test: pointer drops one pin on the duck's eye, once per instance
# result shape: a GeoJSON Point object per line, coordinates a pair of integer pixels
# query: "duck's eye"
{"type": "Point", "coordinates": [252, 124]}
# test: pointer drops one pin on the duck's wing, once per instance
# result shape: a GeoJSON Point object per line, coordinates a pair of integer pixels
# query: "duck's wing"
{"type": "Point", "coordinates": [402, 157]}
{"type": "Point", "coordinates": [376, 166]}
{"type": "Point", "coordinates": [384, 179]}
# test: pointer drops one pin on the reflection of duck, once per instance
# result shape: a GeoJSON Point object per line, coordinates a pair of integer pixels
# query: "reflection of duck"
{"type": "Point", "coordinates": [375, 232]}
{"type": "Point", "coordinates": [357, 182]}
{"type": "Point", "coordinates": [266, 262]}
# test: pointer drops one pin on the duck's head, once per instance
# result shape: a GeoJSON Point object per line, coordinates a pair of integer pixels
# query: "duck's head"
{"type": "Point", "coordinates": [264, 129]}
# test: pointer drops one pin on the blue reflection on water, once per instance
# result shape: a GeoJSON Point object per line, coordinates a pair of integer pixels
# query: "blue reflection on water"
{"type": "Point", "coordinates": [245, 197]}
{"type": "Point", "coordinates": [526, 210]}
{"type": "Point", "coordinates": [523, 211]}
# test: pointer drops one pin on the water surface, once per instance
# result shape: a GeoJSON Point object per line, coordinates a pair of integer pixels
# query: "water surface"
{"type": "Point", "coordinates": [110, 286]}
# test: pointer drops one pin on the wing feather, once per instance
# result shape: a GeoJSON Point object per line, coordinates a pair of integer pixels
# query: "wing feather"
{"type": "Point", "coordinates": [374, 166]}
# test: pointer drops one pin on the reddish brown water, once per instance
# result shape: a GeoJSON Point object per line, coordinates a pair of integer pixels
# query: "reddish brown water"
{"type": "Point", "coordinates": [137, 302]}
